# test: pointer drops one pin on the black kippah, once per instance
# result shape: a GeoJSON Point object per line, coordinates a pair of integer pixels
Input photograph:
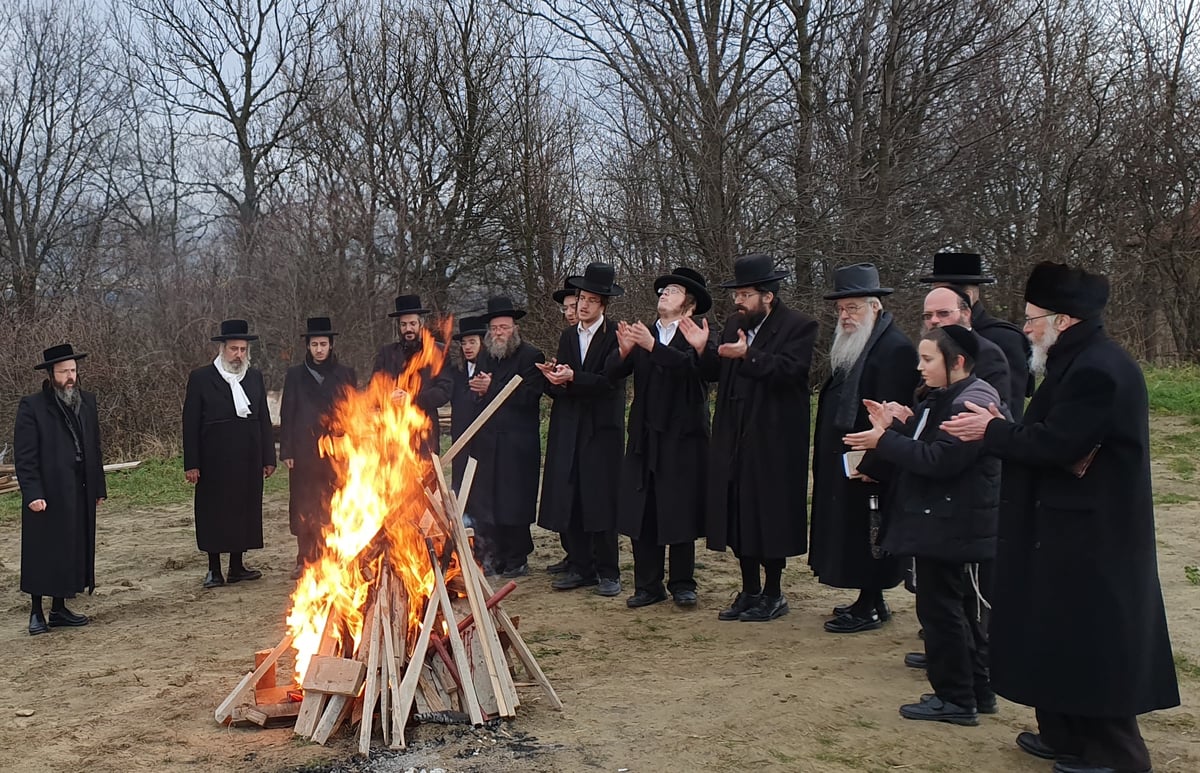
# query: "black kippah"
{"type": "Point", "coordinates": [966, 340]}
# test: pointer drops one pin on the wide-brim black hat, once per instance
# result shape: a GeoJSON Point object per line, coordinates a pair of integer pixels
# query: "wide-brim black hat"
{"type": "Point", "coordinates": [860, 280]}
{"type": "Point", "coordinates": [597, 278]}
{"type": "Point", "coordinates": [567, 290]}
{"type": "Point", "coordinates": [959, 268]}
{"type": "Point", "coordinates": [753, 270]}
{"type": "Point", "coordinates": [56, 354]}
{"type": "Point", "coordinates": [408, 304]}
{"type": "Point", "coordinates": [501, 306]}
{"type": "Point", "coordinates": [235, 330]}
{"type": "Point", "coordinates": [470, 326]}
{"type": "Point", "coordinates": [1064, 289]}
{"type": "Point", "coordinates": [693, 281]}
{"type": "Point", "coordinates": [318, 326]}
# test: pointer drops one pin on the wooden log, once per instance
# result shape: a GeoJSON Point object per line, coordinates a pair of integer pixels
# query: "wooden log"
{"type": "Point", "coordinates": [268, 678]}
{"type": "Point", "coordinates": [335, 676]}
{"type": "Point", "coordinates": [489, 700]}
{"type": "Point", "coordinates": [245, 688]}
{"type": "Point", "coordinates": [311, 709]}
{"type": "Point", "coordinates": [371, 693]}
{"type": "Point", "coordinates": [416, 661]}
{"type": "Point", "coordinates": [456, 644]}
{"type": "Point", "coordinates": [387, 658]}
{"type": "Point", "coordinates": [474, 427]}
{"type": "Point", "coordinates": [335, 713]}
{"type": "Point", "coordinates": [524, 654]}
{"type": "Point", "coordinates": [274, 714]}
{"type": "Point", "coordinates": [278, 694]}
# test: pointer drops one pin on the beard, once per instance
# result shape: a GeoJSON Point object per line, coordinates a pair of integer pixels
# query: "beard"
{"type": "Point", "coordinates": [748, 320]}
{"type": "Point", "coordinates": [68, 394]}
{"type": "Point", "coordinates": [502, 350]}
{"type": "Point", "coordinates": [237, 369]}
{"type": "Point", "coordinates": [848, 347]}
{"type": "Point", "coordinates": [410, 345]}
{"type": "Point", "coordinates": [1040, 350]}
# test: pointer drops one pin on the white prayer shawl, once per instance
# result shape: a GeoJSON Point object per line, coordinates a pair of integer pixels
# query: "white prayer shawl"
{"type": "Point", "coordinates": [241, 403]}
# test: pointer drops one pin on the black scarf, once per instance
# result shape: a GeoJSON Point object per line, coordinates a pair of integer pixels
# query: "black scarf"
{"type": "Point", "coordinates": [320, 371]}
{"type": "Point", "coordinates": [70, 416]}
{"type": "Point", "coordinates": [849, 402]}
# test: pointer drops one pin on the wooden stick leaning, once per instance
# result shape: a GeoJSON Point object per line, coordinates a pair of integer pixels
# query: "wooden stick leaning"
{"type": "Point", "coordinates": [225, 711]}
{"type": "Point", "coordinates": [371, 692]}
{"type": "Point", "coordinates": [523, 652]}
{"type": "Point", "coordinates": [387, 660]}
{"type": "Point", "coordinates": [469, 698]}
{"type": "Point", "coordinates": [408, 687]}
{"type": "Point", "coordinates": [458, 445]}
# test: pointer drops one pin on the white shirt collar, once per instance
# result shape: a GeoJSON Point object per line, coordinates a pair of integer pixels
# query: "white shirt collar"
{"type": "Point", "coordinates": [666, 332]}
{"type": "Point", "coordinates": [591, 330]}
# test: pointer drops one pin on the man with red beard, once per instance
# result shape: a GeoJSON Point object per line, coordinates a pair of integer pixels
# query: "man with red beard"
{"type": "Point", "coordinates": [756, 502]}
{"type": "Point", "coordinates": [870, 359]}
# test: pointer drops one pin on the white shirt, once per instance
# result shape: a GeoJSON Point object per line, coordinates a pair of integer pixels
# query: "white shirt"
{"type": "Point", "coordinates": [750, 335]}
{"type": "Point", "coordinates": [665, 334]}
{"type": "Point", "coordinates": [470, 369]}
{"type": "Point", "coordinates": [585, 336]}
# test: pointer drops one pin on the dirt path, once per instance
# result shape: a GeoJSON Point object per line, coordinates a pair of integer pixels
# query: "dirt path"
{"type": "Point", "coordinates": [658, 689]}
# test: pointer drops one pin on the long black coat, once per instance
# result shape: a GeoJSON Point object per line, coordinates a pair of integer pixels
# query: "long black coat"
{"type": "Point", "coordinates": [58, 545]}
{"type": "Point", "coordinates": [668, 438]}
{"type": "Point", "coordinates": [1015, 345]}
{"type": "Point", "coordinates": [840, 549]}
{"type": "Point", "coordinates": [509, 446]}
{"type": "Point", "coordinates": [992, 367]}
{"type": "Point", "coordinates": [587, 427]}
{"type": "Point", "coordinates": [303, 415]}
{"type": "Point", "coordinates": [1078, 625]}
{"type": "Point", "coordinates": [230, 453]}
{"type": "Point", "coordinates": [435, 390]}
{"type": "Point", "coordinates": [756, 492]}
{"type": "Point", "coordinates": [945, 492]}
{"type": "Point", "coordinates": [465, 406]}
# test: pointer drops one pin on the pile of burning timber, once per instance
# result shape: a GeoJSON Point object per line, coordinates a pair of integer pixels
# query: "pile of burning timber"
{"type": "Point", "coordinates": [445, 657]}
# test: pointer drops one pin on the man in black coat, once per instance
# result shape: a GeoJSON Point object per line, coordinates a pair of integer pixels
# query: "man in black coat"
{"type": "Point", "coordinates": [508, 448]}
{"type": "Point", "coordinates": [568, 300]}
{"type": "Point", "coordinates": [870, 359]}
{"type": "Point", "coordinates": [951, 306]}
{"type": "Point", "coordinates": [392, 360]}
{"type": "Point", "coordinates": [666, 456]}
{"type": "Point", "coordinates": [1078, 627]}
{"type": "Point", "coordinates": [309, 393]}
{"type": "Point", "coordinates": [756, 502]}
{"type": "Point", "coordinates": [56, 444]}
{"type": "Point", "coordinates": [465, 404]}
{"type": "Point", "coordinates": [228, 449]}
{"type": "Point", "coordinates": [964, 271]}
{"type": "Point", "coordinates": [582, 476]}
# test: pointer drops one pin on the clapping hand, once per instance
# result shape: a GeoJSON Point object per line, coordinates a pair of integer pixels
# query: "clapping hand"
{"type": "Point", "coordinates": [696, 335]}
{"type": "Point", "coordinates": [642, 335]}
{"type": "Point", "coordinates": [480, 383]}
{"type": "Point", "coordinates": [737, 349]}
{"type": "Point", "coordinates": [971, 424]}
{"type": "Point", "coordinates": [625, 340]}
{"type": "Point", "coordinates": [555, 373]}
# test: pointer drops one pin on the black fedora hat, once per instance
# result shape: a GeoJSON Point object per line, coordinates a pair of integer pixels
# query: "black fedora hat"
{"type": "Point", "coordinates": [692, 280]}
{"type": "Point", "coordinates": [60, 353]}
{"type": "Point", "coordinates": [958, 268]}
{"type": "Point", "coordinates": [470, 326]}
{"type": "Point", "coordinates": [567, 290]}
{"type": "Point", "coordinates": [597, 278]}
{"type": "Point", "coordinates": [501, 306]}
{"type": "Point", "coordinates": [860, 280]}
{"type": "Point", "coordinates": [408, 304]}
{"type": "Point", "coordinates": [235, 330]}
{"type": "Point", "coordinates": [757, 268]}
{"type": "Point", "coordinates": [319, 326]}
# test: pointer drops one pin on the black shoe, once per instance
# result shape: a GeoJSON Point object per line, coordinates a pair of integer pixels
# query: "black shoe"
{"type": "Point", "coordinates": [850, 623]}
{"type": "Point", "coordinates": [237, 575]}
{"type": "Point", "coordinates": [37, 624]}
{"type": "Point", "coordinates": [842, 609]}
{"type": "Point", "coordinates": [1032, 743]}
{"type": "Point", "coordinates": [558, 567]}
{"type": "Point", "coordinates": [213, 580]}
{"type": "Point", "coordinates": [982, 705]}
{"type": "Point", "coordinates": [644, 598]}
{"type": "Point", "coordinates": [916, 660]}
{"type": "Point", "coordinates": [65, 617]}
{"type": "Point", "coordinates": [741, 603]}
{"type": "Point", "coordinates": [573, 580]}
{"type": "Point", "coordinates": [519, 571]}
{"type": "Point", "coordinates": [884, 611]}
{"type": "Point", "coordinates": [1076, 765]}
{"type": "Point", "coordinates": [685, 598]}
{"type": "Point", "coordinates": [608, 587]}
{"type": "Point", "coordinates": [767, 608]}
{"type": "Point", "coordinates": [938, 710]}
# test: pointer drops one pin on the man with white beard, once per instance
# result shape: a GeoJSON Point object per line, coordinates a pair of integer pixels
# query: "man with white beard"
{"type": "Point", "coordinates": [228, 449]}
{"type": "Point", "coordinates": [1078, 629]}
{"type": "Point", "coordinates": [508, 448]}
{"type": "Point", "coordinates": [870, 359]}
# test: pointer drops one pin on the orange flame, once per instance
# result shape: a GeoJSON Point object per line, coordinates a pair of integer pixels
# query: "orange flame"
{"type": "Point", "coordinates": [374, 444]}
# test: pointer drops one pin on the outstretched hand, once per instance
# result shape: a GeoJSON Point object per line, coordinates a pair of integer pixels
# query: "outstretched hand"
{"type": "Point", "coordinates": [736, 350]}
{"type": "Point", "coordinates": [971, 424]}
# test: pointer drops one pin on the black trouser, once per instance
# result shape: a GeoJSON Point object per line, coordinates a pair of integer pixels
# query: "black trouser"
{"type": "Point", "coordinates": [648, 556]}
{"type": "Point", "coordinates": [956, 648]}
{"type": "Point", "coordinates": [308, 540]}
{"type": "Point", "coordinates": [502, 547]}
{"type": "Point", "coordinates": [590, 553]}
{"type": "Point", "coordinates": [1113, 742]}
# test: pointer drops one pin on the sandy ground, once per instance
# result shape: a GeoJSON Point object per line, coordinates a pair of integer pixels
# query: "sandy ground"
{"type": "Point", "coordinates": [657, 689]}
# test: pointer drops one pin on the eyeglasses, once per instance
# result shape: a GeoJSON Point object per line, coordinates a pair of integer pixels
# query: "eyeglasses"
{"type": "Point", "coordinates": [744, 295]}
{"type": "Point", "coordinates": [1040, 316]}
{"type": "Point", "coordinates": [940, 314]}
{"type": "Point", "coordinates": [500, 328]}
{"type": "Point", "coordinates": [671, 290]}
{"type": "Point", "coordinates": [850, 308]}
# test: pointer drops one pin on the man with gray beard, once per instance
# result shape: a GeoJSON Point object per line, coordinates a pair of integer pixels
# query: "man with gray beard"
{"type": "Point", "coordinates": [56, 443]}
{"type": "Point", "coordinates": [503, 499]}
{"type": "Point", "coordinates": [228, 449]}
{"type": "Point", "coordinates": [870, 359]}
